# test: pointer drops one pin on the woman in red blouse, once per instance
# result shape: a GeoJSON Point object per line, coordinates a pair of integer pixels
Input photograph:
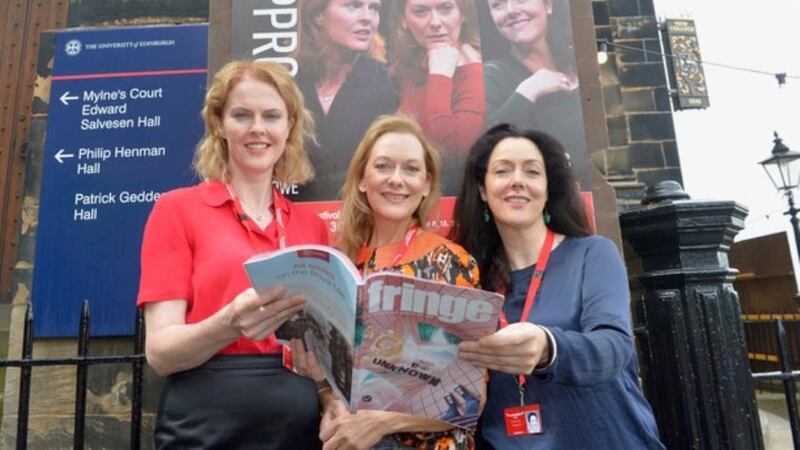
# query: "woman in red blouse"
{"type": "Point", "coordinates": [208, 332]}
{"type": "Point", "coordinates": [435, 64]}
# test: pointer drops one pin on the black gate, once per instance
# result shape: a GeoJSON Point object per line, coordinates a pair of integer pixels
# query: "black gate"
{"type": "Point", "coordinates": [82, 361]}
{"type": "Point", "coordinates": [786, 375]}
{"type": "Point", "coordinates": [137, 360]}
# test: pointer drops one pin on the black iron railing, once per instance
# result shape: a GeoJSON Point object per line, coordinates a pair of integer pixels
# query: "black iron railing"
{"type": "Point", "coordinates": [82, 362]}
{"type": "Point", "coordinates": [788, 376]}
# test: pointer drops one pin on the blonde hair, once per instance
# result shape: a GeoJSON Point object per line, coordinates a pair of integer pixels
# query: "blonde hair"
{"type": "Point", "coordinates": [356, 214]}
{"type": "Point", "coordinates": [211, 155]}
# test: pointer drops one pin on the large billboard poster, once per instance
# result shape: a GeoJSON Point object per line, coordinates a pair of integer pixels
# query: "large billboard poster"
{"type": "Point", "coordinates": [457, 66]}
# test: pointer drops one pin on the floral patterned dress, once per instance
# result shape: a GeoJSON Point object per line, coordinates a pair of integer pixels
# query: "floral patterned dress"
{"type": "Point", "coordinates": [435, 258]}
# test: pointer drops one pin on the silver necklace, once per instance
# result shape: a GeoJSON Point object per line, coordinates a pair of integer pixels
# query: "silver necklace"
{"type": "Point", "coordinates": [327, 97]}
{"type": "Point", "coordinates": [253, 212]}
{"type": "Point", "coordinates": [265, 214]}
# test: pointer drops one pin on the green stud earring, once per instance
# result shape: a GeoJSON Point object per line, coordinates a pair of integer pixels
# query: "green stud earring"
{"type": "Point", "coordinates": [486, 216]}
{"type": "Point", "coordinates": [547, 217]}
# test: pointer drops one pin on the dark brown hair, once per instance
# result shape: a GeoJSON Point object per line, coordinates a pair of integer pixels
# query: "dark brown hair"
{"type": "Point", "coordinates": [480, 238]}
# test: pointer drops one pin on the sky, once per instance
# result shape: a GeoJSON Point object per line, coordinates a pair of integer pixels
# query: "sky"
{"type": "Point", "coordinates": [720, 147]}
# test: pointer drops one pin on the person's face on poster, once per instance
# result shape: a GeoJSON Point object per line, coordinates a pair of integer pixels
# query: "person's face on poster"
{"type": "Point", "coordinates": [351, 24]}
{"type": "Point", "coordinates": [434, 23]}
{"type": "Point", "coordinates": [521, 21]}
{"type": "Point", "coordinates": [395, 178]}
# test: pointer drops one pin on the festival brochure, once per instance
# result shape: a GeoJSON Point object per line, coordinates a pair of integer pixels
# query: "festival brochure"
{"type": "Point", "coordinates": [387, 341]}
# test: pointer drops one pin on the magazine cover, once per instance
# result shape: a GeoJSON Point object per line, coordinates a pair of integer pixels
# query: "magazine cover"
{"type": "Point", "coordinates": [407, 340]}
{"type": "Point", "coordinates": [389, 342]}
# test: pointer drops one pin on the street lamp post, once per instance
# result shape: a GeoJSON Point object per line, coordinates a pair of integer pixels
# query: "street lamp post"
{"type": "Point", "coordinates": [783, 174]}
{"type": "Point", "coordinates": [792, 212]}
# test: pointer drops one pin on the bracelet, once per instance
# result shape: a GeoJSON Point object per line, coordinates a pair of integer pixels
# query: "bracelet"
{"type": "Point", "coordinates": [323, 389]}
{"type": "Point", "coordinates": [323, 386]}
{"type": "Point", "coordinates": [551, 342]}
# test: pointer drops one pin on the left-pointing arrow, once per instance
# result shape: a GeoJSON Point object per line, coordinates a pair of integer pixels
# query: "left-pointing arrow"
{"type": "Point", "coordinates": [61, 155]}
{"type": "Point", "coordinates": [65, 97]}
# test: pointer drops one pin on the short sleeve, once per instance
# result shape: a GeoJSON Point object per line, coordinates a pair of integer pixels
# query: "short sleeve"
{"type": "Point", "coordinates": [166, 259]}
{"type": "Point", "coordinates": [472, 276]}
{"type": "Point", "coordinates": [467, 274]}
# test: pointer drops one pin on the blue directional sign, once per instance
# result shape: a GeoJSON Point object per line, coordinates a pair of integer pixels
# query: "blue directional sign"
{"type": "Point", "coordinates": [123, 123]}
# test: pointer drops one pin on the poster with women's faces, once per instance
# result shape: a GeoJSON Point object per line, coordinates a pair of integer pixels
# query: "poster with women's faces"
{"type": "Point", "coordinates": [456, 66]}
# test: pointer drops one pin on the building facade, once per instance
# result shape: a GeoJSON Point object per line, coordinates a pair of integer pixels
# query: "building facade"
{"type": "Point", "coordinates": [640, 150]}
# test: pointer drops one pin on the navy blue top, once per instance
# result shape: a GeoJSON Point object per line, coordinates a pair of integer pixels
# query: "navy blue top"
{"type": "Point", "coordinates": [590, 398]}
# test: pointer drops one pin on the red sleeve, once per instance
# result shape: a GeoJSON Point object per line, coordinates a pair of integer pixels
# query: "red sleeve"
{"type": "Point", "coordinates": [166, 255]}
{"type": "Point", "coordinates": [455, 107]}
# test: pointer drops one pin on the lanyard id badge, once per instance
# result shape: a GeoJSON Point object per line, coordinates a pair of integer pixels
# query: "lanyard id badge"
{"type": "Point", "coordinates": [408, 239]}
{"type": "Point", "coordinates": [525, 420]}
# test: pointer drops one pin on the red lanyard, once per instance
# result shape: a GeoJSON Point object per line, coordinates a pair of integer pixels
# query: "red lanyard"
{"type": "Point", "coordinates": [280, 225]}
{"type": "Point", "coordinates": [533, 288]}
{"type": "Point", "coordinates": [363, 253]}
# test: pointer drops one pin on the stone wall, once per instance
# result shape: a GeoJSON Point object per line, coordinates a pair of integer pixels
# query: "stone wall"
{"type": "Point", "coordinates": [52, 399]}
{"type": "Point", "coordinates": [642, 148]}
{"type": "Point", "coordinates": [52, 402]}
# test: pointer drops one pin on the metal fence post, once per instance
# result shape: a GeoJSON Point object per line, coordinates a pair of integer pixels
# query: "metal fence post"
{"type": "Point", "coordinates": [694, 363]}
{"type": "Point", "coordinates": [82, 362]}
{"type": "Point", "coordinates": [138, 381]}
{"type": "Point", "coordinates": [790, 390]}
{"type": "Point", "coordinates": [81, 379]}
{"type": "Point", "coordinates": [25, 380]}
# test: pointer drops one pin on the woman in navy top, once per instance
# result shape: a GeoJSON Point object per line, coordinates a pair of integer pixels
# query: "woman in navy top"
{"type": "Point", "coordinates": [571, 361]}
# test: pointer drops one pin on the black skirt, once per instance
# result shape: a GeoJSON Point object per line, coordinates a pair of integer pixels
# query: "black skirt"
{"type": "Point", "coordinates": [238, 402]}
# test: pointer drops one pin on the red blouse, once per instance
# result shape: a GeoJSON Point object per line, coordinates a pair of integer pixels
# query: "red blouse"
{"type": "Point", "coordinates": [449, 110]}
{"type": "Point", "coordinates": [194, 246]}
